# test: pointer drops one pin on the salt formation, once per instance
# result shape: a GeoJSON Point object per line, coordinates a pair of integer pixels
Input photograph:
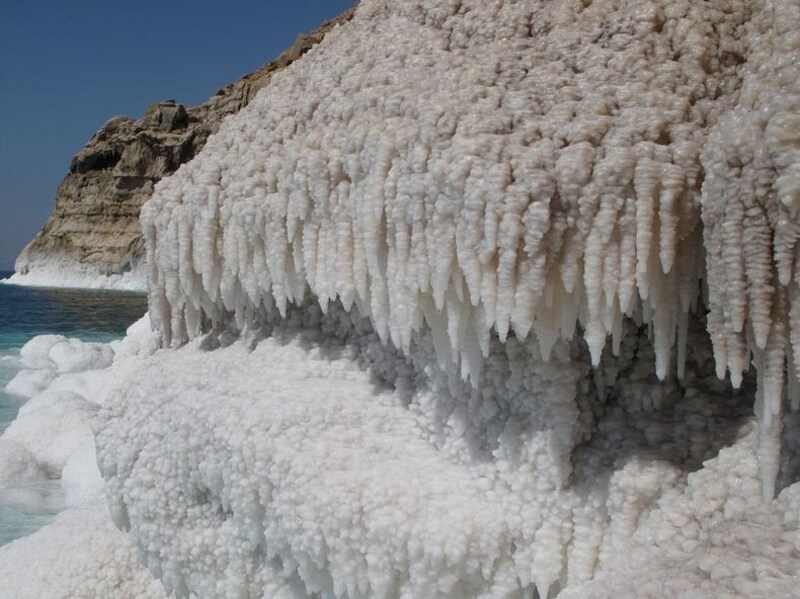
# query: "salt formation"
{"type": "Point", "coordinates": [48, 463]}
{"type": "Point", "coordinates": [485, 182]}
{"type": "Point", "coordinates": [81, 554]}
{"type": "Point", "coordinates": [69, 275]}
{"type": "Point", "coordinates": [510, 167]}
{"type": "Point", "coordinates": [751, 210]}
{"type": "Point", "coordinates": [55, 420]}
{"type": "Point", "coordinates": [309, 459]}
{"type": "Point", "coordinates": [489, 170]}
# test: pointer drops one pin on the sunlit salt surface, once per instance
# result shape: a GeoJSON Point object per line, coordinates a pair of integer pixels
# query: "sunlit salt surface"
{"type": "Point", "coordinates": [97, 316]}
{"type": "Point", "coordinates": [67, 274]}
{"type": "Point", "coordinates": [476, 299]}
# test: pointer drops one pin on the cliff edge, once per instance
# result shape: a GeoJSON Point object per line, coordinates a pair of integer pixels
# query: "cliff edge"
{"type": "Point", "coordinates": [93, 237]}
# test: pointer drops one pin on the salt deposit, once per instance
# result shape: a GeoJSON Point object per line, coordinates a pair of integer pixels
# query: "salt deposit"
{"type": "Point", "coordinates": [438, 301]}
{"type": "Point", "coordinates": [476, 174]}
{"type": "Point", "coordinates": [48, 463]}
{"type": "Point", "coordinates": [528, 167]}
{"type": "Point", "coordinates": [70, 275]}
{"type": "Point", "coordinates": [309, 452]}
{"type": "Point", "coordinates": [57, 417]}
{"type": "Point", "coordinates": [80, 554]}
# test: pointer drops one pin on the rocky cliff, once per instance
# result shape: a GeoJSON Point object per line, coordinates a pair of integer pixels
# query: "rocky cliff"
{"type": "Point", "coordinates": [93, 233]}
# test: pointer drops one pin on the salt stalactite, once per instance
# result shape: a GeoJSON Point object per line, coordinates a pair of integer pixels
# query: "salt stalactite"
{"type": "Point", "coordinates": [504, 167]}
{"type": "Point", "coordinates": [287, 464]}
{"type": "Point", "coordinates": [480, 181]}
{"type": "Point", "coordinates": [751, 211]}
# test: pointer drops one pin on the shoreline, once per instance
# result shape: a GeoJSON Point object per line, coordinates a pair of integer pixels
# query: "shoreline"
{"type": "Point", "coordinates": [129, 282]}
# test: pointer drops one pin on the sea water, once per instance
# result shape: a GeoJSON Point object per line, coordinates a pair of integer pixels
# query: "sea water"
{"type": "Point", "coordinates": [24, 313]}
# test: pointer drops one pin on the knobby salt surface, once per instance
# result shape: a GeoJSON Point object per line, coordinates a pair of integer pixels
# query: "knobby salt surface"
{"type": "Point", "coordinates": [47, 460]}
{"type": "Point", "coordinates": [308, 459]}
{"type": "Point", "coordinates": [526, 167]}
{"type": "Point", "coordinates": [395, 275]}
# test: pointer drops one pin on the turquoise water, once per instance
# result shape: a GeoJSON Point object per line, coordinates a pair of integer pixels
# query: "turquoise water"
{"type": "Point", "coordinates": [24, 313]}
{"type": "Point", "coordinates": [89, 315]}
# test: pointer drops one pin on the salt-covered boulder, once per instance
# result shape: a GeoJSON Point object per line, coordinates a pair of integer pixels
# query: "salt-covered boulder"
{"type": "Point", "coordinates": [511, 168]}
{"type": "Point", "coordinates": [438, 298]}
{"type": "Point", "coordinates": [61, 354]}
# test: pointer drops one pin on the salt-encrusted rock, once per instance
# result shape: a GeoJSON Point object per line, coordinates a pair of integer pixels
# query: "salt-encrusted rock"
{"type": "Point", "coordinates": [78, 555]}
{"type": "Point", "coordinates": [94, 227]}
{"type": "Point", "coordinates": [477, 179]}
{"type": "Point", "coordinates": [504, 169]}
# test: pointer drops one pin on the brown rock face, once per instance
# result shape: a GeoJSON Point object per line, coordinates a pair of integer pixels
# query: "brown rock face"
{"type": "Point", "coordinates": [94, 226]}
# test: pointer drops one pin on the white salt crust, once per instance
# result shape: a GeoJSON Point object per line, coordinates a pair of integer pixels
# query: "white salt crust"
{"type": "Point", "coordinates": [512, 166]}
{"type": "Point", "coordinates": [80, 554]}
{"type": "Point", "coordinates": [309, 452]}
{"type": "Point", "coordinates": [64, 384]}
{"type": "Point", "coordinates": [68, 274]}
{"type": "Point", "coordinates": [48, 463]}
{"type": "Point", "coordinates": [480, 180]}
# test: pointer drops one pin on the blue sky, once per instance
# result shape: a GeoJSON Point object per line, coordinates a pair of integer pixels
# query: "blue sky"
{"type": "Point", "coordinates": [67, 67]}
